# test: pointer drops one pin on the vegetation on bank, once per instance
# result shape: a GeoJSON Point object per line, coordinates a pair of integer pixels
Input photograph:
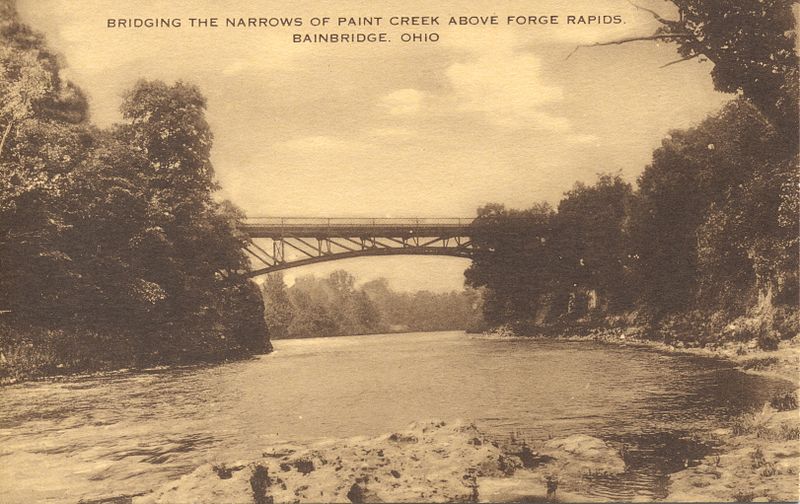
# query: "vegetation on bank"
{"type": "Point", "coordinates": [705, 247]}
{"type": "Point", "coordinates": [757, 460]}
{"type": "Point", "coordinates": [334, 306]}
{"type": "Point", "coordinates": [114, 251]}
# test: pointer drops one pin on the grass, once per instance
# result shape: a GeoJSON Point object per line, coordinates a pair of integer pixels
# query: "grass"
{"type": "Point", "coordinates": [758, 460]}
{"type": "Point", "coordinates": [758, 425]}
{"type": "Point", "coordinates": [751, 424]}
{"type": "Point", "coordinates": [789, 432]}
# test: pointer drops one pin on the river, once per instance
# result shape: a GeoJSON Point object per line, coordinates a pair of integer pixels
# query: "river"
{"type": "Point", "coordinates": [129, 432]}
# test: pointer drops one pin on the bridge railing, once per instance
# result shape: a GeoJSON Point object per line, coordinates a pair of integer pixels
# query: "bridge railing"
{"type": "Point", "coordinates": [366, 222]}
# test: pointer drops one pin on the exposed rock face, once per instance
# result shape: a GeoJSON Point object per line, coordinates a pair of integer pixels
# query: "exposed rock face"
{"type": "Point", "coordinates": [429, 462]}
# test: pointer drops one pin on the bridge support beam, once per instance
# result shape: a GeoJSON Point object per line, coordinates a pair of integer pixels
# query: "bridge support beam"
{"type": "Point", "coordinates": [298, 242]}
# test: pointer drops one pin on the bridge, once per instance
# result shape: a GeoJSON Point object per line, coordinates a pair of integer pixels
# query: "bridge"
{"type": "Point", "coordinates": [278, 243]}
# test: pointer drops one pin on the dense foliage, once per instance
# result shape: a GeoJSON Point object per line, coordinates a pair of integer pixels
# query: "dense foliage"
{"type": "Point", "coordinates": [711, 229]}
{"type": "Point", "coordinates": [333, 306]}
{"type": "Point", "coordinates": [707, 244]}
{"type": "Point", "coordinates": [752, 46]}
{"type": "Point", "coordinates": [516, 238]}
{"type": "Point", "coordinates": [113, 249]}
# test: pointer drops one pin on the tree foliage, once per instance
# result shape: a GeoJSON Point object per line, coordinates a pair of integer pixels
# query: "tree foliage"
{"type": "Point", "coordinates": [712, 226]}
{"type": "Point", "coordinates": [751, 44]}
{"type": "Point", "coordinates": [333, 306]}
{"type": "Point", "coordinates": [513, 259]}
{"type": "Point", "coordinates": [114, 234]}
{"type": "Point", "coordinates": [590, 243]}
{"type": "Point", "coordinates": [711, 230]}
{"type": "Point", "coordinates": [707, 212]}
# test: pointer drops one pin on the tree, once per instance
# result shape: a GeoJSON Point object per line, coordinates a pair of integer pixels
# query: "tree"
{"type": "Point", "coordinates": [192, 247]}
{"type": "Point", "coordinates": [752, 46]}
{"type": "Point", "coordinates": [31, 85]}
{"type": "Point", "coordinates": [112, 245]}
{"type": "Point", "coordinates": [310, 317]}
{"type": "Point", "coordinates": [748, 243]}
{"type": "Point", "coordinates": [590, 243]}
{"type": "Point", "coordinates": [513, 260]}
{"type": "Point", "coordinates": [277, 306]}
{"type": "Point", "coordinates": [334, 306]}
{"type": "Point", "coordinates": [43, 139]}
{"type": "Point", "coordinates": [711, 195]}
{"type": "Point", "coordinates": [167, 125]}
{"type": "Point", "coordinates": [195, 238]}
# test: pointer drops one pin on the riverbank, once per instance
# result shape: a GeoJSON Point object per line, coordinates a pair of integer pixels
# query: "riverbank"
{"type": "Point", "coordinates": [430, 461]}
{"type": "Point", "coordinates": [33, 353]}
{"type": "Point", "coordinates": [783, 362]}
{"type": "Point", "coordinates": [759, 461]}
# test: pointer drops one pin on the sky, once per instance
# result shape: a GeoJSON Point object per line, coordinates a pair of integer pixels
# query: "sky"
{"type": "Point", "coordinates": [493, 113]}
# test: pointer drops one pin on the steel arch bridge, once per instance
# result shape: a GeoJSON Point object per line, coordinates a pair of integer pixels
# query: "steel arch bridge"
{"type": "Point", "coordinates": [278, 243]}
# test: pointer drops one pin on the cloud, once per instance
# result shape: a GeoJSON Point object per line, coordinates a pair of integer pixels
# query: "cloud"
{"type": "Point", "coordinates": [319, 143]}
{"type": "Point", "coordinates": [508, 89]}
{"type": "Point", "coordinates": [403, 101]}
{"type": "Point", "coordinates": [391, 132]}
{"type": "Point", "coordinates": [235, 67]}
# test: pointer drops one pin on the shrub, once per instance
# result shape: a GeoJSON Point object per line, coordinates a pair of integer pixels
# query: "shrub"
{"type": "Point", "coordinates": [768, 340]}
{"type": "Point", "coordinates": [784, 402]}
{"type": "Point", "coordinates": [786, 322]}
{"type": "Point", "coordinates": [789, 432]}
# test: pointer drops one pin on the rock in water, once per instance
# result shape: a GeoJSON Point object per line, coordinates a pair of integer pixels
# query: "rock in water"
{"type": "Point", "coordinates": [356, 494]}
{"type": "Point", "coordinates": [587, 454]}
{"type": "Point", "coordinates": [429, 462]}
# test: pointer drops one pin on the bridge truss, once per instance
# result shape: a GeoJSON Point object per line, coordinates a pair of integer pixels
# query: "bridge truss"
{"type": "Point", "coordinates": [284, 242]}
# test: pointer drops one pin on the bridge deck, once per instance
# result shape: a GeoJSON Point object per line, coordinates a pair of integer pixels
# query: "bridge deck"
{"type": "Point", "coordinates": [277, 227]}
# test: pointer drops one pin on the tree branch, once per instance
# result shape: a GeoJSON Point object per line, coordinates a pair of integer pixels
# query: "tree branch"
{"type": "Point", "coordinates": [5, 136]}
{"type": "Point", "coordinates": [662, 36]}
{"type": "Point", "coordinates": [687, 58]}
{"type": "Point", "coordinates": [654, 14]}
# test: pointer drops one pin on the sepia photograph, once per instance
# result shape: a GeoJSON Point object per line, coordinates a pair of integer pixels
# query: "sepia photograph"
{"type": "Point", "coordinates": [263, 252]}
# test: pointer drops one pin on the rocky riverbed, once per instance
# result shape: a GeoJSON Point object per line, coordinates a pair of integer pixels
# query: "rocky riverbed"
{"type": "Point", "coordinates": [428, 462]}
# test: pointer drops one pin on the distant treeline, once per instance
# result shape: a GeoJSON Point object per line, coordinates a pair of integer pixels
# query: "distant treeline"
{"type": "Point", "coordinates": [333, 306]}
{"type": "Point", "coordinates": [113, 250]}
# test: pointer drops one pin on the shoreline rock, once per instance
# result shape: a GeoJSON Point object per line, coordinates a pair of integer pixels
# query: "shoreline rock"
{"type": "Point", "coordinates": [430, 461]}
{"type": "Point", "coordinates": [760, 464]}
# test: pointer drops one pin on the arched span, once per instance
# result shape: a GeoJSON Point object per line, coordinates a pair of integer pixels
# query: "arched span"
{"type": "Point", "coordinates": [450, 252]}
{"type": "Point", "coordinates": [280, 243]}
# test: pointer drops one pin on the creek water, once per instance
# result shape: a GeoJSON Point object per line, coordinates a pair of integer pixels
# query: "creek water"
{"type": "Point", "coordinates": [75, 438]}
